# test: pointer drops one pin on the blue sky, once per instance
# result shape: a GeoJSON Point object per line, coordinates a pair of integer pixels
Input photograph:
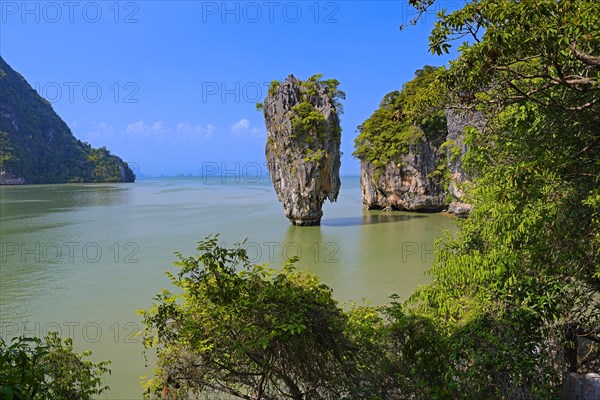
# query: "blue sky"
{"type": "Point", "coordinates": [171, 86]}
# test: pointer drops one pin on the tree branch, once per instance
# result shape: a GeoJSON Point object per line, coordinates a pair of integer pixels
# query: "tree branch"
{"type": "Point", "coordinates": [586, 58]}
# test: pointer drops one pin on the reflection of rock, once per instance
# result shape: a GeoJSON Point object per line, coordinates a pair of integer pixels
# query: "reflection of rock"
{"type": "Point", "coordinates": [303, 158]}
{"type": "Point", "coordinates": [407, 184]}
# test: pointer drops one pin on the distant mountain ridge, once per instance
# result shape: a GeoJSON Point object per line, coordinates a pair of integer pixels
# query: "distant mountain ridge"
{"type": "Point", "coordinates": [37, 146]}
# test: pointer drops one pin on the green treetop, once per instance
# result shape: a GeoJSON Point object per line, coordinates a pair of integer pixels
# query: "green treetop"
{"type": "Point", "coordinates": [395, 125]}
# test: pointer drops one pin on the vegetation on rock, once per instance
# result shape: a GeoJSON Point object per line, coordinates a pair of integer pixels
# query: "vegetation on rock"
{"type": "Point", "coordinates": [36, 146]}
{"type": "Point", "coordinates": [396, 124]}
{"type": "Point", "coordinates": [308, 119]}
{"type": "Point", "coordinates": [303, 144]}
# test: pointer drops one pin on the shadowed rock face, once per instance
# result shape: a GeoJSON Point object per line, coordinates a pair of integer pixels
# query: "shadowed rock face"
{"type": "Point", "coordinates": [37, 146]}
{"type": "Point", "coordinates": [303, 154]}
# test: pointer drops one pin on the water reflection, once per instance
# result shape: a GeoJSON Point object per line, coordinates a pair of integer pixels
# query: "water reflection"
{"type": "Point", "coordinates": [370, 256]}
{"type": "Point", "coordinates": [370, 217]}
{"type": "Point", "coordinates": [34, 200]}
{"type": "Point", "coordinates": [37, 200]}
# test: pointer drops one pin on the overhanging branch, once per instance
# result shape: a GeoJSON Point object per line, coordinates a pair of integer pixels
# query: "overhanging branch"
{"type": "Point", "coordinates": [586, 58]}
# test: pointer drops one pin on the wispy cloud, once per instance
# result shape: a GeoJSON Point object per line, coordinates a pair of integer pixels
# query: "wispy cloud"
{"type": "Point", "coordinates": [100, 130]}
{"type": "Point", "coordinates": [243, 126]}
{"type": "Point", "coordinates": [155, 129]}
{"type": "Point", "coordinates": [158, 129]}
{"type": "Point", "coordinates": [197, 130]}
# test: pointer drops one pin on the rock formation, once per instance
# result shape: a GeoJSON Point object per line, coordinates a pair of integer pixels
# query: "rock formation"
{"type": "Point", "coordinates": [581, 387]}
{"type": "Point", "coordinates": [410, 184]}
{"type": "Point", "coordinates": [36, 146]}
{"type": "Point", "coordinates": [457, 121]}
{"type": "Point", "coordinates": [405, 184]}
{"type": "Point", "coordinates": [303, 147]}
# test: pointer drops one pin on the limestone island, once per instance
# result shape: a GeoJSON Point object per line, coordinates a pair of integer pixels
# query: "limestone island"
{"type": "Point", "coordinates": [37, 146]}
{"type": "Point", "coordinates": [303, 144]}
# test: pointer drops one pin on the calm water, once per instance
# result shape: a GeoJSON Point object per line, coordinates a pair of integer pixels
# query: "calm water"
{"type": "Point", "coordinates": [81, 259]}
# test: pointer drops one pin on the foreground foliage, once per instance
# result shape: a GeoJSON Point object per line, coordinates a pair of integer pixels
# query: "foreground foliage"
{"type": "Point", "coordinates": [395, 126]}
{"type": "Point", "coordinates": [518, 291]}
{"type": "Point", "coordinates": [252, 332]}
{"type": "Point", "coordinates": [514, 302]}
{"type": "Point", "coordinates": [32, 369]}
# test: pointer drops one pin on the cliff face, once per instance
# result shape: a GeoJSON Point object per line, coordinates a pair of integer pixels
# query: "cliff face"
{"type": "Point", "coordinates": [36, 146]}
{"type": "Point", "coordinates": [406, 184]}
{"type": "Point", "coordinates": [303, 148]}
{"type": "Point", "coordinates": [411, 184]}
{"type": "Point", "coordinates": [457, 121]}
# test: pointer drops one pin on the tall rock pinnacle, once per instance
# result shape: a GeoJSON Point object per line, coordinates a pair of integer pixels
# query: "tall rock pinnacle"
{"type": "Point", "coordinates": [303, 145]}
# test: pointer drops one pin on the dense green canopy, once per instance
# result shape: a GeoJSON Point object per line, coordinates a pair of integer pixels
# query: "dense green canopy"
{"type": "Point", "coordinates": [49, 369]}
{"type": "Point", "coordinates": [394, 126]}
{"type": "Point", "coordinates": [38, 147]}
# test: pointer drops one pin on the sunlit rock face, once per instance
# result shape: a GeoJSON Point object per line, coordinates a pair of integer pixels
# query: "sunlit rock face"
{"type": "Point", "coordinates": [405, 185]}
{"type": "Point", "coordinates": [410, 184]}
{"type": "Point", "coordinates": [302, 150]}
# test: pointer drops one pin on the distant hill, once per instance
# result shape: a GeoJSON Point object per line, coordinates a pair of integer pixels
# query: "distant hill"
{"type": "Point", "coordinates": [36, 146]}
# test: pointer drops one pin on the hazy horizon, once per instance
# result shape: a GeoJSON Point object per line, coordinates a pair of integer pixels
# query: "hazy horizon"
{"type": "Point", "coordinates": [170, 88]}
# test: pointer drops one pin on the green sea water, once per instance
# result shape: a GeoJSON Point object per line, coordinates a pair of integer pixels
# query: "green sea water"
{"type": "Point", "coordinates": [81, 259]}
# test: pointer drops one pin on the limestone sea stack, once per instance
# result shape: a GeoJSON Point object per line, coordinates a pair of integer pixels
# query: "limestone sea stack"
{"type": "Point", "coordinates": [303, 145]}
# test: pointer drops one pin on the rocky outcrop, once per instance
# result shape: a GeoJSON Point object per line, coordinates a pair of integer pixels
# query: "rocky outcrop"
{"type": "Point", "coordinates": [404, 185]}
{"type": "Point", "coordinates": [303, 148]}
{"type": "Point", "coordinates": [581, 387]}
{"type": "Point", "coordinates": [10, 180]}
{"type": "Point", "coordinates": [457, 121]}
{"type": "Point", "coordinates": [411, 184]}
{"type": "Point", "coordinates": [36, 146]}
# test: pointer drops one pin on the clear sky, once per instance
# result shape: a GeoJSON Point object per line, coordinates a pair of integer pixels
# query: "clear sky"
{"type": "Point", "coordinates": [171, 86]}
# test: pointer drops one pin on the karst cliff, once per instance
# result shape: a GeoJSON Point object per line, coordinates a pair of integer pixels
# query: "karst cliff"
{"type": "Point", "coordinates": [303, 145]}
